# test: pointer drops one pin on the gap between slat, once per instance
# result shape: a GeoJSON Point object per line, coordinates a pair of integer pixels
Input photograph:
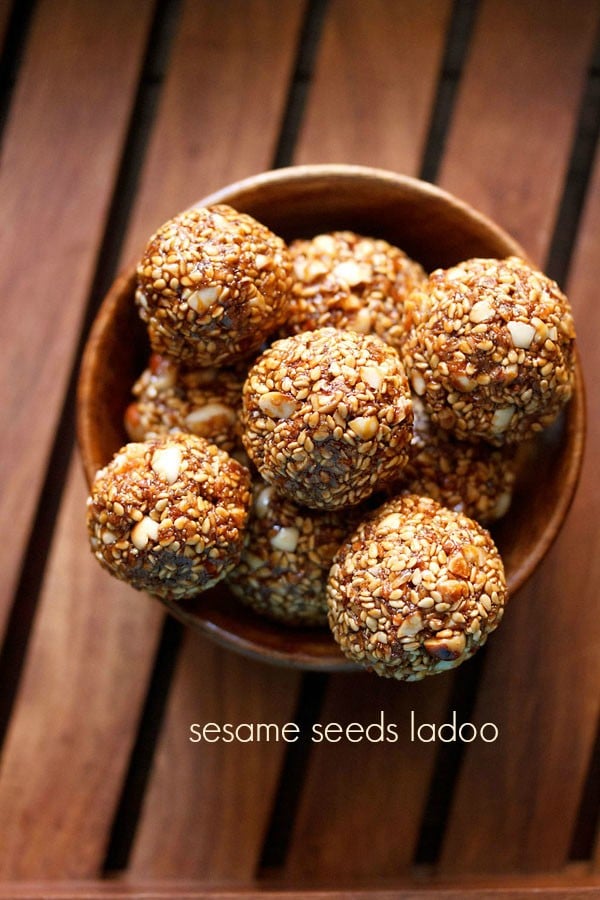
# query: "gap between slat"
{"type": "Point", "coordinates": [588, 814]}
{"type": "Point", "coordinates": [564, 239]}
{"type": "Point", "coordinates": [448, 763]}
{"type": "Point", "coordinates": [578, 176]}
{"type": "Point", "coordinates": [293, 775]}
{"type": "Point", "coordinates": [140, 762]}
{"type": "Point", "coordinates": [302, 74]}
{"type": "Point", "coordinates": [313, 687]}
{"type": "Point", "coordinates": [20, 623]}
{"type": "Point", "coordinates": [15, 39]}
{"type": "Point", "coordinates": [460, 30]}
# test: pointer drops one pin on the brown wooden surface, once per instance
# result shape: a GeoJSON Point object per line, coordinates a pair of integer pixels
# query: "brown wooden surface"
{"type": "Point", "coordinates": [547, 729]}
{"type": "Point", "coordinates": [193, 890]}
{"type": "Point", "coordinates": [511, 133]}
{"type": "Point", "coordinates": [366, 105]}
{"type": "Point", "coordinates": [225, 841]}
{"type": "Point", "coordinates": [374, 805]}
{"type": "Point", "coordinates": [78, 78]}
{"type": "Point", "coordinates": [35, 845]}
{"type": "Point", "coordinates": [231, 133]}
{"type": "Point", "coordinates": [206, 808]}
{"type": "Point", "coordinates": [67, 748]}
{"type": "Point", "coordinates": [347, 791]}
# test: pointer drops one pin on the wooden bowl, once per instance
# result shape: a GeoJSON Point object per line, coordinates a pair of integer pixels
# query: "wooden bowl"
{"type": "Point", "coordinates": [431, 226]}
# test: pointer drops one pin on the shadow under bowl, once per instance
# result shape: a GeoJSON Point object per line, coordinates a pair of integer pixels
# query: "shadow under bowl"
{"type": "Point", "coordinates": [434, 228]}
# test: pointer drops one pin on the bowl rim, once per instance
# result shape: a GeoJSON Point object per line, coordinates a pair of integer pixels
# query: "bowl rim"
{"type": "Point", "coordinates": [349, 172]}
{"type": "Point", "coordinates": [332, 660]}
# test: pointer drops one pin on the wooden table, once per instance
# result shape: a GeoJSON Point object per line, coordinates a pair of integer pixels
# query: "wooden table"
{"type": "Point", "coordinates": [116, 114]}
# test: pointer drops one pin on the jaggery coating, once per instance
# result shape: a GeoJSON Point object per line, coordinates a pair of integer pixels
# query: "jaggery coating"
{"type": "Point", "coordinates": [492, 352]}
{"type": "Point", "coordinates": [170, 397]}
{"type": "Point", "coordinates": [212, 285]}
{"type": "Point", "coordinates": [351, 282]}
{"type": "Point", "coordinates": [476, 479]}
{"type": "Point", "coordinates": [415, 590]}
{"type": "Point", "coordinates": [327, 416]}
{"type": "Point", "coordinates": [169, 515]}
{"type": "Point", "coordinates": [289, 550]}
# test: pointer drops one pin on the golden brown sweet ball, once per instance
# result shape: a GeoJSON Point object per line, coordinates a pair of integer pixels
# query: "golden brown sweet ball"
{"type": "Point", "coordinates": [286, 560]}
{"type": "Point", "coordinates": [327, 416]}
{"type": "Point", "coordinates": [351, 282]}
{"type": "Point", "coordinates": [169, 515]}
{"type": "Point", "coordinates": [474, 478]}
{"type": "Point", "coordinates": [212, 285]}
{"type": "Point", "coordinates": [492, 353]}
{"type": "Point", "coordinates": [170, 397]}
{"type": "Point", "coordinates": [415, 590]}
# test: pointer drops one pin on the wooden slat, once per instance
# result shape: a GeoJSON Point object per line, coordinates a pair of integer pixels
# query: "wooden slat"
{"type": "Point", "coordinates": [222, 106]}
{"type": "Point", "coordinates": [69, 739]}
{"type": "Point", "coordinates": [366, 106]}
{"type": "Point", "coordinates": [512, 128]}
{"type": "Point", "coordinates": [47, 817]}
{"type": "Point", "coordinates": [370, 100]}
{"type": "Point", "coordinates": [517, 798]}
{"type": "Point", "coordinates": [369, 794]}
{"type": "Point", "coordinates": [229, 131]}
{"type": "Point", "coordinates": [61, 149]}
{"type": "Point", "coordinates": [207, 803]}
{"type": "Point", "coordinates": [194, 890]}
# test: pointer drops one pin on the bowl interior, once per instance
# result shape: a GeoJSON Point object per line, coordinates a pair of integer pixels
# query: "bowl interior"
{"type": "Point", "coordinates": [432, 227]}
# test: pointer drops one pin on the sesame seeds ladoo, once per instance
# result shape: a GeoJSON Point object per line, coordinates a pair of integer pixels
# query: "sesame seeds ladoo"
{"type": "Point", "coordinates": [415, 590]}
{"type": "Point", "coordinates": [212, 284]}
{"type": "Point", "coordinates": [492, 352]}
{"type": "Point", "coordinates": [286, 560]}
{"type": "Point", "coordinates": [348, 281]}
{"type": "Point", "coordinates": [169, 515]}
{"type": "Point", "coordinates": [474, 478]}
{"type": "Point", "coordinates": [170, 397]}
{"type": "Point", "coordinates": [327, 416]}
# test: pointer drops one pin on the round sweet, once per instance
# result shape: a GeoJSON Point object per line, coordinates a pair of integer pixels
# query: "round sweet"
{"type": "Point", "coordinates": [284, 566]}
{"type": "Point", "coordinates": [476, 479]}
{"type": "Point", "coordinates": [212, 284]}
{"type": "Point", "coordinates": [169, 515]}
{"type": "Point", "coordinates": [415, 590]}
{"type": "Point", "coordinates": [492, 353]}
{"type": "Point", "coordinates": [170, 397]}
{"type": "Point", "coordinates": [351, 282]}
{"type": "Point", "coordinates": [327, 416]}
